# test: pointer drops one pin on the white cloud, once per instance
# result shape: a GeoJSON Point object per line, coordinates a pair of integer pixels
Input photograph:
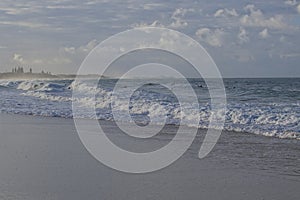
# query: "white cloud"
{"type": "Point", "coordinates": [82, 50]}
{"type": "Point", "coordinates": [169, 40]}
{"type": "Point", "coordinates": [291, 2]}
{"type": "Point", "coordinates": [62, 7]}
{"type": "Point", "coordinates": [226, 13]}
{"type": "Point", "coordinates": [282, 39]}
{"type": "Point", "coordinates": [94, 2]}
{"type": "Point", "coordinates": [20, 10]}
{"type": "Point", "coordinates": [152, 6]}
{"type": "Point", "coordinates": [156, 23]}
{"type": "Point", "coordinates": [244, 58]}
{"type": "Point", "coordinates": [37, 61]}
{"type": "Point", "coordinates": [74, 55]}
{"type": "Point", "coordinates": [256, 18]}
{"type": "Point", "coordinates": [11, 11]}
{"type": "Point", "coordinates": [89, 46]}
{"type": "Point", "coordinates": [60, 61]}
{"type": "Point", "coordinates": [243, 55]}
{"type": "Point", "coordinates": [70, 50]}
{"type": "Point", "coordinates": [212, 37]}
{"type": "Point", "coordinates": [264, 34]}
{"type": "Point", "coordinates": [289, 55]}
{"type": "Point", "coordinates": [56, 60]}
{"type": "Point", "coordinates": [177, 16]}
{"type": "Point", "coordinates": [177, 20]}
{"type": "Point", "coordinates": [243, 36]}
{"type": "Point", "coordinates": [178, 24]}
{"type": "Point", "coordinates": [24, 24]}
{"type": "Point", "coordinates": [18, 58]}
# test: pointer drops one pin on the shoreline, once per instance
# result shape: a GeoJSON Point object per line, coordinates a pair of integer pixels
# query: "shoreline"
{"type": "Point", "coordinates": [44, 76]}
{"type": "Point", "coordinates": [43, 158]}
{"type": "Point", "coordinates": [172, 125]}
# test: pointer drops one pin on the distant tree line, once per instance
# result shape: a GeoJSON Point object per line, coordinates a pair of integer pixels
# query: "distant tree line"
{"type": "Point", "coordinates": [20, 70]}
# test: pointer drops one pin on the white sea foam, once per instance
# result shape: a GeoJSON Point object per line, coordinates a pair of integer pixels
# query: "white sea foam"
{"type": "Point", "coordinates": [265, 116]}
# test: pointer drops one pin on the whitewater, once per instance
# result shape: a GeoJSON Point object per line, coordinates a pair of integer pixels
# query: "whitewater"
{"type": "Point", "coordinates": [269, 107]}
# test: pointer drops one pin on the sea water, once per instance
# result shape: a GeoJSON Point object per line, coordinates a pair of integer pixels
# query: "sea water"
{"type": "Point", "coordinates": [269, 107]}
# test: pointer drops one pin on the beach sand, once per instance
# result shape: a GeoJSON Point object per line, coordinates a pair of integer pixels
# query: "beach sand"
{"type": "Point", "coordinates": [42, 158]}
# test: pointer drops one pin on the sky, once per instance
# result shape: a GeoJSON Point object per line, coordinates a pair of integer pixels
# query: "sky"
{"type": "Point", "coordinates": [245, 38]}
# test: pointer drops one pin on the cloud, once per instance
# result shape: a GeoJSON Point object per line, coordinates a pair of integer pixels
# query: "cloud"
{"type": "Point", "coordinates": [152, 6]}
{"type": "Point", "coordinates": [24, 24]}
{"type": "Point", "coordinates": [243, 36]}
{"type": "Point", "coordinates": [60, 60]}
{"type": "Point", "coordinates": [18, 58]}
{"type": "Point", "coordinates": [81, 50]}
{"type": "Point", "coordinates": [243, 56]}
{"type": "Point", "coordinates": [94, 2]}
{"type": "Point", "coordinates": [65, 7]}
{"type": "Point", "coordinates": [37, 61]}
{"type": "Point", "coordinates": [282, 39]}
{"type": "Point", "coordinates": [75, 55]}
{"type": "Point", "coordinates": [291, 2]}
{"type": "Point", "coordinates": [212, 37]}
{"type": "Point", "coordinates": [21, 9]}
{"type": "Point", "coordinates": [169, 40]}
{"type": "Point", "coordinates": [177, 21]}
{"type": "Point", "coordinates": [70, 50]}
{"type": "Point", "coordinates": [12, 11]}
{"type": "Point", "coordinates": [256, 18]}
{"type": "Point", "coordinates": [264, 34]}
{"type": "Point", "coordinates": [56, 60]}
{"type": "Point", "coordinates": [177, 16]}
{"type": "Point", "coordinates": [89, 46]}
{"type": "Point", "coordinates": [156, 23]}
{"type": "Point", "coordinates": [226, 13]}
{"type": "Point", "coordinates": [290, 55]}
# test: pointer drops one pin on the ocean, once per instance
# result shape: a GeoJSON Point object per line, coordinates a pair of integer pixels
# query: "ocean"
{"type": "Point", "coordinates": [263, 106]}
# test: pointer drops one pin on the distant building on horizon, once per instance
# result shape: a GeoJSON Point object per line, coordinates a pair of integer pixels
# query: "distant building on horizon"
{"type": "Point", "coordinates": [20, 70]}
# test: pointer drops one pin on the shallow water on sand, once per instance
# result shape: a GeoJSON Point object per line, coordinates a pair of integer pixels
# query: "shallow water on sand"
{"type": "Point", "coordinates": [43, 158]}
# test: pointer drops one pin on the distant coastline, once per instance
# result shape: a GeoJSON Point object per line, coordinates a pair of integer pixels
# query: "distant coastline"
{"type": "Point", "coordinates": [19, 76]}
{"type": "Point", "coordinates": [10, 75]}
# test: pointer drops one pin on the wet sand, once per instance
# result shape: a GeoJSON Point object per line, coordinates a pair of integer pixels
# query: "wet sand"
{"type": "Point", "coordinates": [42, 158]}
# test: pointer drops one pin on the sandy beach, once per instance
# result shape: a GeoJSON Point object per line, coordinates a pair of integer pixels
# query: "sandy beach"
{"type": "Point", "coordinates": [43, 158]}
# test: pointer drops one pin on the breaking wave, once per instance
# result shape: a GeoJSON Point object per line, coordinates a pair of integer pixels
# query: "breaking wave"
{"type": "Point", "coordinates": [254, 106]}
